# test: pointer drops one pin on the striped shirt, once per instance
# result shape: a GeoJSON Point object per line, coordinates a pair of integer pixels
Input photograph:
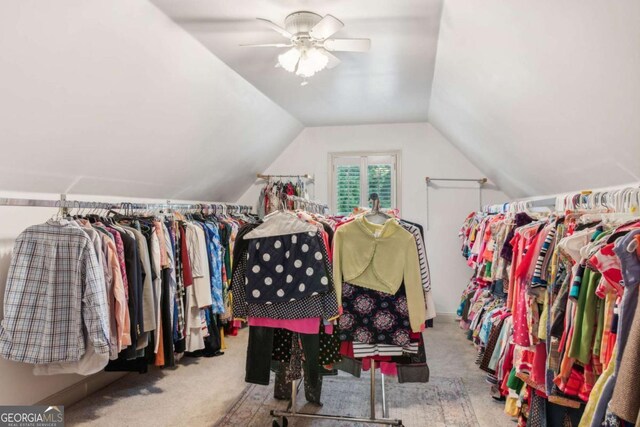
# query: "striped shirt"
{"type": "Point", "coordinates": [422, 254]}
{"type": "Point", "coordinates": [369, 350]}
{"type": "Point", "coordinates": [55, 288]}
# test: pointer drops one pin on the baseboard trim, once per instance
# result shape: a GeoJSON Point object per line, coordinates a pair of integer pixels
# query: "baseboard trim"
{"type": "Point", "coordinates": [445, 318]}
{"type": "Point", "coordinates": [85, 387]}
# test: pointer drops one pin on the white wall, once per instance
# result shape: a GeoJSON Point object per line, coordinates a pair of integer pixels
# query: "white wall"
{"type": "Point", "coordinates": [543, 95]}
{"type": "Point", "coordinates": [113, 97]}
{"type": "Point", "coordinates": [425, 152]}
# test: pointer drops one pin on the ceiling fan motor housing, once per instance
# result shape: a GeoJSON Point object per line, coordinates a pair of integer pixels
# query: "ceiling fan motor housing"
{"type": "Point", "coordinates": [300, 23]}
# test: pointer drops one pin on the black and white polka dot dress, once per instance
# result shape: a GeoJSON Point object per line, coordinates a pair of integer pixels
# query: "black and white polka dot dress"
{"type": "Point", "coordinates": [285, 268]}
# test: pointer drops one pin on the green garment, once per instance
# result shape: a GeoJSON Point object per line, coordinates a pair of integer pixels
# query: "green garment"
{"type": "Point", "coordinates": [514, 383]}
{"type": "Point", "coordinates": [585, 321]}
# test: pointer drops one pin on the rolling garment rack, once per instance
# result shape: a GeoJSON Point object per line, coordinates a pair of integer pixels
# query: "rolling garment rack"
{"type": "Point", "coordinates": [291, 411]}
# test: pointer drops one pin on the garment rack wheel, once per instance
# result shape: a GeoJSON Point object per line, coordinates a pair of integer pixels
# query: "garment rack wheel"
{"type": "Point", "coordinates": [285, 423]}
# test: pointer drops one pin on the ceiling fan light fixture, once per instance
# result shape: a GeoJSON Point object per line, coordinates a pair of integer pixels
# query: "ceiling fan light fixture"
{"type": "Point", "coordinates": [311, 61]}
{"type": "Point", "coordinates": [310, 45]}
{"type": "Point", "coordinates": [289, 59]}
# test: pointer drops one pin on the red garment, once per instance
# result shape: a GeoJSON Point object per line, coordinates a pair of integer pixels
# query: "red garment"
{"type": "Point", "coordinates": [187, 275]}
{"type": "Point", "coordinates": [325, 240]}
{"type": "Point", "coordinates": [523, 244]}
{"type": "Point", "coordinates": [589, 382]}
{"type": "Point", "coordinates": [574, 384]}
{"type": "Point", "coordinates": [386, 368]}
{"type": "Point", "coordinates": [538, 372]}
{"type": "Point", "coordinates": [608, 264]}
{"type": "Point", "coordinates": [506, 370]}
{"type": "Point", "coordinates": [384, 363]}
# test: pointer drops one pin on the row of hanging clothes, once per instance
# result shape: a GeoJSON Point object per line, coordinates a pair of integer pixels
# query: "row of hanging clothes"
{"type": "Point", "coordinates": [119, 290]}
{"type": "Point", "coordinates": [552, 307]}
{"type": "Point", "coordinates": [308, 285]}
{"type": "Point", "coordinates": [273, 195]}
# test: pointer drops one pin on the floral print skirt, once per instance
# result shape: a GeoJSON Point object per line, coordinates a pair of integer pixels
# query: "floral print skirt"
{"type": "Point", "coordinates": [374, 317]}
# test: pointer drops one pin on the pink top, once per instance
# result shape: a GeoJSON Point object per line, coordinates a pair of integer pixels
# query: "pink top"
{"type": "Point", "coordinates": [309, 325]}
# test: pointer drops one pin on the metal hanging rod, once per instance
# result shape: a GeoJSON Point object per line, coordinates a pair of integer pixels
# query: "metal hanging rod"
{"type": "Point", "coordinates": [480, 181]}
{"type": "Point", "coordinates": [625, 198]}
{"type": "Point", "coordinates": [304, 176]}
{"type": "Point", "coordinates": [306, 201]}
{"type": "Point", "coordinates": [70, 204]}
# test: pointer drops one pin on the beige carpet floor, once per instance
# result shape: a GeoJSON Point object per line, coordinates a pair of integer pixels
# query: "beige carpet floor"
{"type": "Point", "coordinates": [199, 392]}
{"type": "Point", "coordinates": [442, 402]}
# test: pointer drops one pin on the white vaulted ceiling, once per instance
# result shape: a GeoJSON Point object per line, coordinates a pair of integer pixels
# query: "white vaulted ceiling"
{"type": "Point", "coordinates": [543, 96]}
{"type": "Point", "coordinates": [391, 83]}
{"type": "Point", "coordinates": [114, 98]}
{"type": "Point", "coordinates": [126, 98]}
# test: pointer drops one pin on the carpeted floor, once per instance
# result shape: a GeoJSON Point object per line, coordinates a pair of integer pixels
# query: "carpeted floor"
{"type": "Point", "coordinates": [441, 402]}
{"type": "Point", "coordinates": [199, 392]}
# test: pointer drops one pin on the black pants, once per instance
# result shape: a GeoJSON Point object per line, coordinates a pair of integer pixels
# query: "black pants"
{"type": "Point", "coordinates": [167, 321]}
{"type": "Point", "coordinates": [558, 415]}
{"type": "Point", "coordinates": [282, 388]}
{"type": "Point", "coordinates": [259, 355]}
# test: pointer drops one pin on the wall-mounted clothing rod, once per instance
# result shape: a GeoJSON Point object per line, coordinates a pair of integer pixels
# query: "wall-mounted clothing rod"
{"type": "Point", "coordinates": [481, 181]}
{"type": "Point", "coordinates": [83, 204]}
{"type": "Point", "coordinates": [625, 198]}
{"type": "Point", "coordinates": [304, 176]}
{"type": "Point", "coordinates": [428, 179]}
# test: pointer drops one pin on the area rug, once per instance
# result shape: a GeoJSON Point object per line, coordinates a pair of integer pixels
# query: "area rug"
{"type": "Point", "coordinates": [441, 402]}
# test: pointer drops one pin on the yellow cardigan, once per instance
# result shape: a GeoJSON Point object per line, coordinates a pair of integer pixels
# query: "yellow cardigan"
{"type": "Point", "coordinates": [379, 257]}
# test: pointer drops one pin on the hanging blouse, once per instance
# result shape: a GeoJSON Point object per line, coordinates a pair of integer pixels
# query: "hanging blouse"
{"type": "Point", "coordinates": [380, 257]}
{"type": "Point", "coordinates": [54, 263]}
{"type": "Point", "coordinates": [285, 268]}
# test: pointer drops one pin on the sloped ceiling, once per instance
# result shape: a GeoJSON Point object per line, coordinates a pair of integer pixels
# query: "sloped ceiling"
{"type": "Point", "coordinates": [389, 84]}
{"type": "Point", "coordinates": [544, 96]}
{"type": "Point", "coordinates": [114, 98]}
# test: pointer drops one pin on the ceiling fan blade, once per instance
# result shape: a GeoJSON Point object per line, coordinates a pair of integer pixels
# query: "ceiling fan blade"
{"type": "Point", "coordinates": [267, 45]}
{"type": "Point", "coordinates": [276, 28]}
{"type": "Point", "coordinates": [328, 26]}
{"type": "Point", "coordinates": [334, 61]}
{"type": "Point", "coordinates": [347, 45]}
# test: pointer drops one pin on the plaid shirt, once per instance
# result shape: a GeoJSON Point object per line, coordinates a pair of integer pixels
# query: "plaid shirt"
{"type": "Point", "coordinates": [55, 288]}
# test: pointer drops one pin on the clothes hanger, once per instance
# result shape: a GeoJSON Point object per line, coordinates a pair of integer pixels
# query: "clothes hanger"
{"type": "Point", "coordinates": [376, 216]}
{"type": "Point", "coordinates": [280, 223]}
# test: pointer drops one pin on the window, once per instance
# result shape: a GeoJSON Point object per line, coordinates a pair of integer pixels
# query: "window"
{"type": "Point", "coordinates": [355, 176]}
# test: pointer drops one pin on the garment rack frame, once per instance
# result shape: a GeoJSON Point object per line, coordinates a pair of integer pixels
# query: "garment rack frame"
{"type": "Point", "coordinates": [291, 411]}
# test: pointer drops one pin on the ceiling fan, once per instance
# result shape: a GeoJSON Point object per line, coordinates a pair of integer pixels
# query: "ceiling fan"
{"type": "Point", "coordinates": [309, 43]}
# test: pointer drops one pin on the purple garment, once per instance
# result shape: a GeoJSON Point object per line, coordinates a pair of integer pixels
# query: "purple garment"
{"type": "Point", "coordinates": [520, 220]}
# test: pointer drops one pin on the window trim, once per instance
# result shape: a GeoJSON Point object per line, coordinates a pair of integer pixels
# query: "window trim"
{"type": "Point", "coordinates": [396, 179]}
